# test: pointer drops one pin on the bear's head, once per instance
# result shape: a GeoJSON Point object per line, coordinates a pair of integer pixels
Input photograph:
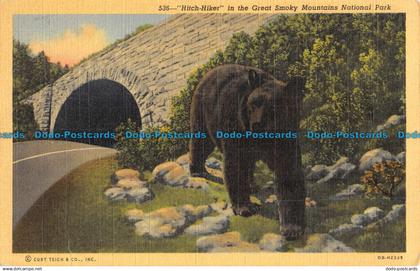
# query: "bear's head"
{"type": "Point", "coordinates": [272, 105]}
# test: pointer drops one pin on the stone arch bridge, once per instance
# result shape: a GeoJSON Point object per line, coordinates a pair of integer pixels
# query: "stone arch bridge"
{"type": "Point", "coordinates": [137, 78]}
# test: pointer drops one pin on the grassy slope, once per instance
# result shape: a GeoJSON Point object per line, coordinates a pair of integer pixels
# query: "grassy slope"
{"type": "Point", "coordinates": [74, 216]}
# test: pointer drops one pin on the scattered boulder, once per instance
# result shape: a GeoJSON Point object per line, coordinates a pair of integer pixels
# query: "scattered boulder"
{"type": "Point", "coordinates": [317, 172]}
{"type": "Point", "coordinates": [165, 222]}
{"type": "Point", "coordinates": [134, 215]}
{"type": "Point", "coordinates": [139, 194]}
{"type": "Point", "coordinates": [129, 187]}
{"type": "Point", "coordinates": [374, 156]}
{"type": "Point", "coordinates": [209, 225]}
{"type": "Point", "coordinates": [213, 163]}
{"type": "Point", "coordinates": [351, 191]}
{"type": "Point", "coordinates": [370, 215]}
{"type": "Point", "coordinates": [374, 213]}
{"type": "Point", "coordinates": [115, 193]}
{"type": "Point", "coordinates": [174, 174]}
{"type": "Point", "coordinates": [125, 173]}
{"type": "Point", "coordinates": [345, 229]}
{"type": "Point", "coordinates": [184, 160]}
{"type": "Point", "coordinates": [273, 242]}
{"type": "Point", "coordinates": [341, 171]}
{"type": "Point", "coordinates": [130, 183]}
{"type": "Point", "coordinates": [360, 220]}
{"type": "Point", "coordinates": [391, 121]}
{"type": "Point", "coordinates": [222, 208]}
{"type": "Point", "coordinates": [193, 213]}
{"type": "Point", "coordinates": [226, 242]}
{"type": "Point", "coordinates": [170, 221]}
{"type": "Point", "coordinates": [324, 243]}
{"type": "Point", "coordinates": [175, 177]}
{"type": "Point", "coordinates": [401, 157]}
{"type": "Point", "coordinates": [396, 212]}
{"type": "Point", "coordinates": [160, 170]}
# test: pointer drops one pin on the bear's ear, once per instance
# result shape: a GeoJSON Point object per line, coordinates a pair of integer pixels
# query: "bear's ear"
{"type": "Point", "coordinates": [254, 78]}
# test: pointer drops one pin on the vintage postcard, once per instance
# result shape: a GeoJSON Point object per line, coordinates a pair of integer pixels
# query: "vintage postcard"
{"type": "Point", "coordinates": [209, 132]}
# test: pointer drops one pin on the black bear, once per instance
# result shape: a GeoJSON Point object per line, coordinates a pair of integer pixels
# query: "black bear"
{"type": "Point", "coordinates": [241, 99]}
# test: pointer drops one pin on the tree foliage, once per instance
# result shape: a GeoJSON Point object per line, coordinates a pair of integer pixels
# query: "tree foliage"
{"type": "Point", "coordinates": [30, 73]}
{"type": "Point", "coordinates": [353, 64]}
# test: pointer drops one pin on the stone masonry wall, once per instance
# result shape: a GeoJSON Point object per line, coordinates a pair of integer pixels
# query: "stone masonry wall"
{"type": "Point", "coordinates": [153, 65]}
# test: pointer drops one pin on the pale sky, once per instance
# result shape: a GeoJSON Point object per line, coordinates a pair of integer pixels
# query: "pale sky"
{"type": "Point", "coordinates": [69, 38]}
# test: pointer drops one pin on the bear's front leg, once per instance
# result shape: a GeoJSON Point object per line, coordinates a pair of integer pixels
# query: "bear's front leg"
{"type": "Point", "coordinates": [238, 171]}
{"type": "Point", "coordinates": [291, 194]}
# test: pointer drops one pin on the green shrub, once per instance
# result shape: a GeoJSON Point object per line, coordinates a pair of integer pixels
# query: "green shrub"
{"type": "Point", "coordinates": [143, 154]}
{"type": "Point", "coordinates": [383, 178]}
{"type": "Point", "coordinates": [24, 120]}
{"type": "Point", "coordinates": [351, 84]}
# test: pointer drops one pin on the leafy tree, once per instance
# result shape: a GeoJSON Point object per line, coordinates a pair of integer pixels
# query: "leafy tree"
{"type": "Point", "coordinates": [354, 68]}
{"type": "Point", "coordinates": [30, 73]}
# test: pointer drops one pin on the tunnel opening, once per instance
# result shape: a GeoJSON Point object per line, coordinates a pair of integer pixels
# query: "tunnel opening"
{"type": "Point", "coordinates": [98, 106]}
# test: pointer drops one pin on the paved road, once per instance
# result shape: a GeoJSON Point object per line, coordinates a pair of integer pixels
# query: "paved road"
{"type": "Point", "coordinates": [37, 165]}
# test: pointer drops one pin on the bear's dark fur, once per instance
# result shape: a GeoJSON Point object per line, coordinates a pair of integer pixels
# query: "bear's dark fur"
{"type": "Point", "coordinates": [235, 98]}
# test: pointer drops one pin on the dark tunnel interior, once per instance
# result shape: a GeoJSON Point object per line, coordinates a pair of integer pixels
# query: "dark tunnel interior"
{"type": "Point", "coordinates": [97, 106]}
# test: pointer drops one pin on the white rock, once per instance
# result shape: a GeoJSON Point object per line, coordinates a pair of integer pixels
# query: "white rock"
{"type": "Point", "coordinates": [130, 183]}
{"type": "Point", "coordinates": [165, 222]}
{"type": "Point", "coordinates": [213, 163]}
{"type": "Point", "coordinates": [401, 157]}
{"type": "Point", "coordinates": [161, 169]}
{"type": "Point", "coordinates": [273, 242]}
{"type": "Point", "coordinates": [391, 121]}
{"type": "Point", "coordinates": [183, 159]}
{"type": "Point", "coordinates": [115, 193]}
{"type": "Point", "coordinates": [324, 243]}
{"type": "Point", "coordinates": [126, 173]}
{"type": "Point", "coordinates": [222, 208]}
{"type": "Point", "coordinates": [374, 213]}
{"type": "Point", "coordinates": [139, 194]}
{"type": "Point", "coordinates": [396, 212]}
{"type": "Point", "coordinates": [192, 213]}
{"type": "Point", "coordinates": [209, 225]}
{"type": "Point", "coordinates": [360, 219]}
{"type": "Point", "coordinates": [134, 215]}
{"type": "Point", "coordinates": [339, 172]}
{"type": "Point", "coordinates": [226, 242]}
{"type": "Point", "coordinates": [170, 173]}
{"type": "Point", "coordinates": [350, 191]}
{"type": "Point", "coordinates": [170, 221]}
{"type": "Point", "coordinates": [317, 172]}
{"type": "Point", "coordinates": [372, 157]}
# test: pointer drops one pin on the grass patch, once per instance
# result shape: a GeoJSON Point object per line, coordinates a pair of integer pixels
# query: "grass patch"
{"type": "Point", "coordinates": [74, 216]}
{"type": "Point", "coordinates": [254, 227]}
{"type": "Point", "coordinates": [390, 238]}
